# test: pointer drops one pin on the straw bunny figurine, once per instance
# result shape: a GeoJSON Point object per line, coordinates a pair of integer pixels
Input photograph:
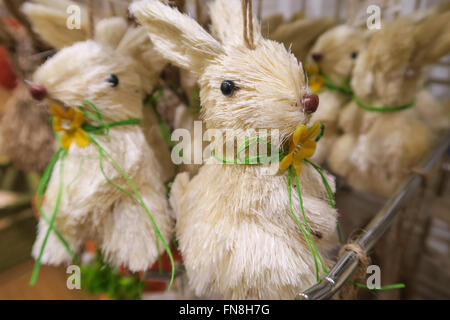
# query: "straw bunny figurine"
{"type": "Point", "coordinates": [48, 17]}
{"type": "Point", "coordinates": [235, 230]}
{"type": "Point", "coordinates": [330, 64]}
{"type": "Point", "coordinates": [383, 137]}
{"type": "Point", "coordinates": [112, 72]}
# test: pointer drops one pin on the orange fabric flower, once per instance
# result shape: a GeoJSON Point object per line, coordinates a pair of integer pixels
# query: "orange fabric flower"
{"type": "Point", "coordinates": [69, 122]}
{"type": "Point", "coordinates": [302, 146]}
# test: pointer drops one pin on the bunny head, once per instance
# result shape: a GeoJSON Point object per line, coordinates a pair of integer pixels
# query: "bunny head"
{"type": "Point", "coordinates": [390, 69]}
{"type": "Point", "coordinates": [300, 34]}
{"type": "Point", "coordinates": [243, 86]}
{"type": "Point", "coordinates": [98, 69]}
{"type": "Point", "coordinates": [336, 50]}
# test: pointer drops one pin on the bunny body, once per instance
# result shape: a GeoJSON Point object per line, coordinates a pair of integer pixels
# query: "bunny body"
{"type": "Point", "coordinates": [239, 240]}
{"type": "Point", "coordinates": [235, 230]}
{"type": "Point", "coordinates": [91, 208]}
{"type": "Point", "coordinates": [378, 149]}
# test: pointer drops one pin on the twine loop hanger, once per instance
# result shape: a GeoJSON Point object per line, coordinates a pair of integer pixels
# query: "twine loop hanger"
{"type": "Point", "coordinates": [247, 11]}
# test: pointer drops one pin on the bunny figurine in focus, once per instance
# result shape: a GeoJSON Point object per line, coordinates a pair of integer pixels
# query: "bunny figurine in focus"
{"type": "Point", "coordinates": [235, 230]}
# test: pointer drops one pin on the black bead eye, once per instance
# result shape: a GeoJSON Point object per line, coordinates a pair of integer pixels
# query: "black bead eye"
{"type": "Point", "coordinates": [227, 87]}
{"type": "Point", "coordinates": [354, 54]}
{"type": "Point", "coordinates": [113, 80]}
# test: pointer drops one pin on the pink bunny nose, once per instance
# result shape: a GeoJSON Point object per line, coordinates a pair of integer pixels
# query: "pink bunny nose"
{"type": "Point", "coordinates": [316, 56]}
{"type": "Point", "coordinates": [310, 103]}
{"type": "Point", "coordinates": [37, 92]}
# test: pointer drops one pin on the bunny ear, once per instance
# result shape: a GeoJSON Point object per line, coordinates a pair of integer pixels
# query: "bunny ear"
{"type": "Point", "coordinates": [51, 22]}
{"type": "Point", "coordinates": [176, 36]}
{"type": "Point", "coordinates": [136, 44]}
{"type": "Point", "coordinates": [432, 38]}
{"type": "Point", "coordinates": [228, 22]}
{"type": "Point", "coordinates": [110, 31]}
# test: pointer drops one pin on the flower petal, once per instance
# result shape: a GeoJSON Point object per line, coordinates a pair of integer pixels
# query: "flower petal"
{"type": "Point", "coordinates": [312, 68]}
{"type": "Point", "coordinates": [56, 124]}
{"type": "Point", "coordinates": [307, 150]}
{"type": "Point", "coordinates": [70, 114]}
{"type": "Point", "coordinates": [78, 119]}
{"type": "Point", "coordinates": [57, 111]}
{"type": "Point", "coordinates": [313, 131]}
{"type": "Point", "coordinates": [298, 166]}
{"type": "Point", "coordinates": [66, 140]}
{"type": "Point", "coordinates": [314, 86]}
{"type": "Point", "coordinates": [298, 134]}
{"type": "Point", "coordinates": [81, 138]}
{"type": "Point", "coordinates": [286, 162]}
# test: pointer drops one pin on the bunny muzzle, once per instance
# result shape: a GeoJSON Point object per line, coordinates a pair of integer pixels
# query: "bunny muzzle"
{"type": "Point", "coordinates": [309, 103]}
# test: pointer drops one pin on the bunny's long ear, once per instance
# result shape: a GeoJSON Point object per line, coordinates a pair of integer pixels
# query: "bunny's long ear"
{"type": "Point", "coordinates": [228, 22]}
{"type": "Point", "coordinates": [432, 38]}
{"type": "Point", "coordinates": [51, 22]}
{"type": "Point", "coordinates": [136, 44]}
{"type": "Point", "coordinates": [110, 31]}
{"type": "Point", "coordinates": [178, 38]}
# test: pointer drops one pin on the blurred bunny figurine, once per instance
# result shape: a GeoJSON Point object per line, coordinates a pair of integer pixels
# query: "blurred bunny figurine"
{"type": "Point", "coordinates": [331, 62]}
{"type": "Point", "coordinates": [383, 136]}
{"type": "Point", "coordinates": [237, 235]}
{"type": "Point", "coordinates": [300, 35]}
{"type": "Point", "coordinates": [111, 71]}
{"type": "Point", "coordinates": [435, 113]}
{"type": "Point", "coordinates": [47, 16]}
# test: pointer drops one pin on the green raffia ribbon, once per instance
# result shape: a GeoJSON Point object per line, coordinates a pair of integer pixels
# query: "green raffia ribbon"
{"type": "Point", "coordinates": [101, 129]}
{"type": "Point", "coordinates": [344, 87]}
{"type": "Point", "coordinates": [387, 287]}
{"type": "Point", "coordinates": [60, 155]}
{"type": "Point", "coordinates": [304, 229]}
{"type": "Point", "coordinates": [382, 109]}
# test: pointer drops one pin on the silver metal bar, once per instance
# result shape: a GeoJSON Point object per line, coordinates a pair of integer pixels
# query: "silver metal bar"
{"type": "Point", "coordinates": [345, 266]}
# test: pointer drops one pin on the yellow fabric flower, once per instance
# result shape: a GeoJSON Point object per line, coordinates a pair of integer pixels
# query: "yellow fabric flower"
{"type": "Point", "coordinates": [315, 79]}
{"type": "Point", "coordinates": [302, 146]}
{"type": "Point", "coordinates": [69, 122]}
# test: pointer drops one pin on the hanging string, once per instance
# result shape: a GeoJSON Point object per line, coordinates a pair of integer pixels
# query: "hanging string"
{"type": "Point", "coordinates": [247, 12]}
{"type": "Point", "coordinates": [90, 10]}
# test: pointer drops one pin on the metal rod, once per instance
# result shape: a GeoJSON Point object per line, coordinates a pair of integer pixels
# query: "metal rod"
{"type": "Point", "coordinates": [345, 266]}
